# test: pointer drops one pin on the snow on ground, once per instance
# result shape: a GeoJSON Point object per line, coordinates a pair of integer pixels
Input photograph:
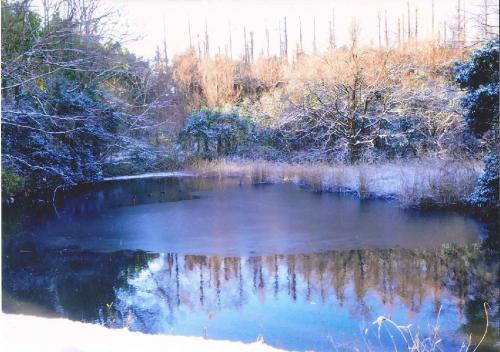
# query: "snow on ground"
{"type": "Point", "coordinates": [21, 333]}
{"type": "Point", "coordinates": [149, 175]}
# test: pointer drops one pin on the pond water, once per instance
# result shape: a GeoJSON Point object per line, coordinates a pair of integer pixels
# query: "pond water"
{"type": "Point", "coordinates": [212, 258]}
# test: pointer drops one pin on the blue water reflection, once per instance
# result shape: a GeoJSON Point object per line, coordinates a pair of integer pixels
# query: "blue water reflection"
{"type": "Point", "coordinates": [222, 260]}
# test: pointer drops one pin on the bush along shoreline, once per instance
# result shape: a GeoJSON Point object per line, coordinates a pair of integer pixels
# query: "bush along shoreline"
{"type": "Point", "coordinates": [423, 184]}
{"type": "Point", "coordinates": [417, 123]}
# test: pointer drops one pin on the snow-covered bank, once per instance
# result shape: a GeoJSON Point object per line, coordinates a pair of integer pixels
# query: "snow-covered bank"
{"type": "Point", "coordinates": [427, 182]}
{"type": "Point", "coordinates": [21, 333]}
{"type": "Point", "coordinates": [149, 175]}
{"type": "Point", "coordinates": [412, 183]}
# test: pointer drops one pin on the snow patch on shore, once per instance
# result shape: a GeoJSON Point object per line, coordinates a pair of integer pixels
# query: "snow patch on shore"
{"type": "Point", "coordinates": [149, 175]}
{"type": "Point", "coordinates": [21, 333]}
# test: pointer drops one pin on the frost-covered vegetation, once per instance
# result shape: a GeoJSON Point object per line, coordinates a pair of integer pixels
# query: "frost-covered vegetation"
{"type": "Point", "coordinates": [72, 96]}
{"type": "Point", "coordinates": [347, 105]}
{"type": "Point", "coordinates": [378, 123]}
{"type": "Point", "coordinates": [414, 183]}
{"type": "Point", "coordinates": [77, 106]}
{"type": "Point", "coordinates": [479, 76]}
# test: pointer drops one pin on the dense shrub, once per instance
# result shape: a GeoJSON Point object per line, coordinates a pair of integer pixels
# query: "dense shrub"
{"type": "Point", "coordinates": [479, 76]}
{"type": "Point", "coordinates": [485, 194]}
{"type": "Point", "coordinates": [12, 183]}
{"type": "Point", "coordinates": [211, 133]}
{"type": "Point", "coordinates": [63, 151]}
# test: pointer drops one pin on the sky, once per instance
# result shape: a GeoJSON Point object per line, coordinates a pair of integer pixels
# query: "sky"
{"type": "Point", "coordinates": [151, 20]}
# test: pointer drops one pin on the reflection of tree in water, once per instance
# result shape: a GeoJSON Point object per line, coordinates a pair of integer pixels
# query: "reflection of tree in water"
{"type": "Point", "coordinates": [76, 284]}
{"type": "Point", "coordinates": [483, 277]}
{"type": "Point", "coordinates": [94, 199]}
{"type": "Point", "coordinates": [462, 275]}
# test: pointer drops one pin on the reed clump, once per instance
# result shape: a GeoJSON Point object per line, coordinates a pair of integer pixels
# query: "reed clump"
{"type": "Point", "coordinates": [438, 183]}
{"type": "Point", "coordinates": [414, 340]}
{"type": "Point", "coordinates": [414, 184]}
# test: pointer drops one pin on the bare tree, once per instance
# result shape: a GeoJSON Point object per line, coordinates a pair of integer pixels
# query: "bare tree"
{"type": "Point", "coordinates": [165, 56]}
{"type": "Point", "coordinates": [333, 43]}
{"type": "Point", "coordinates": [300, 37]}
{"type": "Point", "coordinates": [432, 17]}
{"type": "Point", "coordinates": [416, 23]}
{"type": "Point", "coordinates": [486, 20]}
{"type": "Point", "coordinates": [246, 48]}
{"type": "Point", "coordinates": [354, 31]}
{"type": "Point", "coordinates": [445, 39]}
{"type": "Point", "coordinates": [379, 18]}
{"type": "Point", "coordinates": [399, 32]}
{"type": "Point", "coordinates": [409, 26]}
{"type": "Point", "coordinates": [267, 41]}
{"type": "Point", "coordinates": [281, 40]}
{"type": "Point", "coordinates": [343, 114]}
{"type": "Point", "coordinates": [315, 48]}
{"type": "Point", "coordinates": [386, 32]}
{"type": "Point", "coordinates": [285, 44]}
{"type": "Point", "coordinates": [458, 30]}
{"type": "Point", "coordinates": [199, 44]}
{"type": "Point", "coordinates": [403, 31]}
{"type": "Point", "coordinates": [251, 47]}
{"type": "Point", "coordinates": [333, 29]}
{"type": "Point", "coordinates": [189, 34]}
{"type": "Point", "coordinates": [206, 42]}
{"type": "Point", "coordinates": [464, 25]}
{"type": "Point", "coordinates": [230, 42]}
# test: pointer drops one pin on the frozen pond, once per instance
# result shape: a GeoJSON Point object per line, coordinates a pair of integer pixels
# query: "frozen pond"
{"type": "Point", "coordinates": [200, 257]}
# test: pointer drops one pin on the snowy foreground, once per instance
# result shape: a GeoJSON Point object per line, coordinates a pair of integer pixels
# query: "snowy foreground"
{"type": "Point", "coordinates": [28, 333]}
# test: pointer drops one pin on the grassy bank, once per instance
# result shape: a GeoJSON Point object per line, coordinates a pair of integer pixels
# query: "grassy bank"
{"type": "Point", "coordinates": [420, 183]}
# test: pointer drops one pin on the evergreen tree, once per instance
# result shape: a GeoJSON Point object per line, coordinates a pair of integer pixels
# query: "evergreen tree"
{"type": "Point", "coordinates": [479, 76]}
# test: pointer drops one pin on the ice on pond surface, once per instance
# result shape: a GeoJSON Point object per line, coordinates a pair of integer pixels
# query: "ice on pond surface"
{"type": "Point", "coordinates": [216, 259]}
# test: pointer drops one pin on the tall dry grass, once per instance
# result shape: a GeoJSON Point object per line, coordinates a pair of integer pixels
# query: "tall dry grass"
{"type": "Point", "coordinates": [420, 183]}
{"type": "Point", "coordinates": [444, 183]}
{"type": "Point", "coordinates": [415, 340]}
